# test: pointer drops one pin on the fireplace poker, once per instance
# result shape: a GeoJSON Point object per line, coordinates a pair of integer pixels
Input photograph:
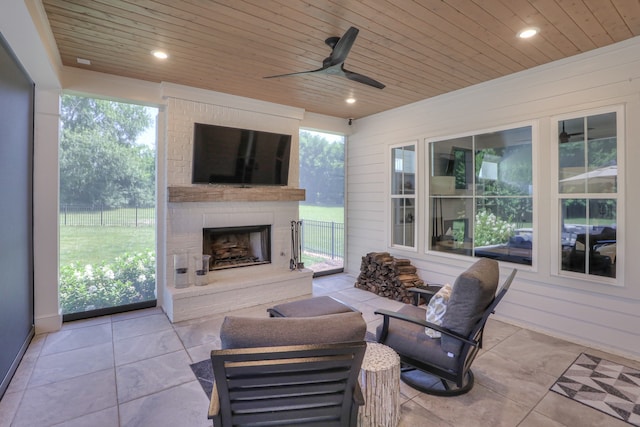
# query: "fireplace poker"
{"type": "Point", "coordinates": [300, 264]}
{"type": "Point", "coordinates": [293, 261]}
{"type": "Point", "coordinates": [296, 246]}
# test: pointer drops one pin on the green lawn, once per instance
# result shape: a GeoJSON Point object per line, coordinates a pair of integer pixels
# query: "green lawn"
{"type": "Point", "coordinates": [93, 245]}
{"type": "Point", "coordinates": [322, 213]}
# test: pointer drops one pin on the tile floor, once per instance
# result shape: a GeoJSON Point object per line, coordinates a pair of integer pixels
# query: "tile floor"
{"type": "Point", "coordinates": [132, 369]}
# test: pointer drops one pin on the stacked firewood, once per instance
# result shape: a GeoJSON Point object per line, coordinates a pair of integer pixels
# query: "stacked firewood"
{"type": "Point", "coordinates": [387, 276]}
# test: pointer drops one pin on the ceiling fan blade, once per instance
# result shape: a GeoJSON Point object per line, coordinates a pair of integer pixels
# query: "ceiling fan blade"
{"type": "Point", "coordinates": [333, 64]}
{"type": "Point", "coordinates": [341, 48]}
{"type": "Point", "coordinates": [293, 74]}
{"type": "Point", "coordinates": [362, 79]}
{"type": "Point", "coordinates": [565, 136]}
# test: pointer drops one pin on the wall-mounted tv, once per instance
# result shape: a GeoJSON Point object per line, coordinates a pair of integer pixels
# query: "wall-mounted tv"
{"type": "Point", "coordinates": [226, 155]}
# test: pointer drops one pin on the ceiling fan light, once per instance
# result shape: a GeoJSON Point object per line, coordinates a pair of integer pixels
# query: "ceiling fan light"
{"type": "Point", "coordinates": [527, 33]}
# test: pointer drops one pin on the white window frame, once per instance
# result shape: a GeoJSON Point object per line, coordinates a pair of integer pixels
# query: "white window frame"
{"type": "Point", "coordinates": [535, 256]}
{"type": "Point", "coordinates": [413, 196]}
{"type": "Point", "coordinates": [619, 196]}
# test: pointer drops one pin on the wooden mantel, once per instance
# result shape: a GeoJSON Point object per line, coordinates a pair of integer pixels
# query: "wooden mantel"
{"type": "Point", "coordinates": [220, 193]}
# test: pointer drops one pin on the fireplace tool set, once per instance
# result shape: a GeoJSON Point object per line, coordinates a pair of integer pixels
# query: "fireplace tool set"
{"type": "Point", "coordinates": [296, 246]}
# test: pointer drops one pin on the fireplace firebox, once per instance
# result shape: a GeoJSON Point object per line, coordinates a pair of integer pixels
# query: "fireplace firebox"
{"type": "Point", "coordinates": [232, 247]}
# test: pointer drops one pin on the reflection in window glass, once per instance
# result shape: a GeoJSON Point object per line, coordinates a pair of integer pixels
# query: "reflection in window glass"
{"type": "Point", "coordinates": [403, 221]}
{"type": "Point", "coordinates": [589, 236]}
{"type": "Point", "coordinates": [451, 224]}
{"type": "Point", "coordinates": [588, 154]}
{"type": "Point", "coordinates": [503, 163]}
{"type": "Point", "coordinates": [588, 169]}
{"type": "Point", "coordinates": [452, 167]}
{"type": "Point", "coordinates": [503, 229]}
{"type": "Point", "coordinates": [481, 190]}
{"type": "Point", "coordinates": [403, 189]}
{"type": "Point", "coordinates": [404, 170]}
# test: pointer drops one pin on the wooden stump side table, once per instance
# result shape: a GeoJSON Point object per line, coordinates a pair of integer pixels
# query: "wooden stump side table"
{"type": "Point", "coordinates": [380, 383]}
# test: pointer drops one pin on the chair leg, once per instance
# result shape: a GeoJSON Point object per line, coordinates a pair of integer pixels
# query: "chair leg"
{"type": "Point", "coordinates": [433, 387]}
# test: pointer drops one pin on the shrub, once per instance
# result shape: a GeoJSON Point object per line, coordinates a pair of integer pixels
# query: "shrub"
{"type": "Point", "coordinates": [129, 279]}
{"type": "Point", "coordinates": [491, 230]}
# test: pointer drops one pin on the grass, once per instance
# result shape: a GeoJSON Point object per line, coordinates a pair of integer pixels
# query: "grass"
{"type": "Point", "coordinates": [93, 245]}
{"type": "Point", "coordinates": [322, 213]}
{"type": "Point", "coordinates": [99, 238]}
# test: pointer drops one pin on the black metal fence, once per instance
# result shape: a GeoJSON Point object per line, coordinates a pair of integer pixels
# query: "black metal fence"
{"type": "Point", "coordinates": [323, 238]}
{"type": "Point", "coordinates": [91, 216]}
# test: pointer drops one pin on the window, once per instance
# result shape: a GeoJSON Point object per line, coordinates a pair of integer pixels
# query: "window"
{"type": "Point", "coordinates": [322, 213]}
{"type": "Point", "coordinates": [107, 207]}
{"type": "Point", "coordinates": [481, 195]}
{"type": "Point", "coordinates": [588, 189]}
{"type": "Point", "coordinates": [403, 196]}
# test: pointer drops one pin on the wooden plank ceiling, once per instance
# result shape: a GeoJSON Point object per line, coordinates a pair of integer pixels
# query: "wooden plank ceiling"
{"type": "Point", "coordinates": [418, 49]}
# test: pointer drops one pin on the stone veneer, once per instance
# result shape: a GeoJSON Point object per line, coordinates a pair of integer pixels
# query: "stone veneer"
{"type": "Point", "coordinates": [239, 287]}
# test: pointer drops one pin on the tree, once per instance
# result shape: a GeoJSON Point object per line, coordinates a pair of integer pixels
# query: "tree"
{"type": "Point", "coordinates": [115, 120]}
{"type": "Point", "coordinates": [100, 162]}
{"type": "Point", "coordinates": [321, 169]}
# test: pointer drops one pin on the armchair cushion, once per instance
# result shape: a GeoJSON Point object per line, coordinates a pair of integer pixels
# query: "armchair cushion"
{"type": "Point", "coordinates": [436, 309]}
{"type": "Point", "coordinates": [249, 332]}
{"type": "Point", "coordinates": [472, 292]}
{"type": "Point", "coordinates": [310, 307]}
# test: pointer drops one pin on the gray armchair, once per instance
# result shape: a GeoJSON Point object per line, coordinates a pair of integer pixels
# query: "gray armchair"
{"type": "Point", "coordinates": [442, 366]}
{"type": "Point", "coordinates": [288, 371]}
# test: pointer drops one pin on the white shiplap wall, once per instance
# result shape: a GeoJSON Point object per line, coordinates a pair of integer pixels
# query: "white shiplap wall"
{"type": "Point", "coordinates": [600, 315]}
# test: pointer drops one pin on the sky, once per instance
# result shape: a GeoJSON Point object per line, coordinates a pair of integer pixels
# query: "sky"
{"type": "Point", "coordinates": [148, 137]}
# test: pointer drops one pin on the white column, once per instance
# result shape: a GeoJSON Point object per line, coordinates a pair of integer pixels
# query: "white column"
{"type": "Point", "coordinates": [47, 313]}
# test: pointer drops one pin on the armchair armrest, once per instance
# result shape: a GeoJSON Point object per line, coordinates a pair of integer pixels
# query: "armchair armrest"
{"type": "Point", "coordinates": [214, 406]}
{"type": "Point", "coordinates": [358, 397]}
{"type": "Point", "coordinates": [358, 401]}
{"type": "Point", "coordinates": [426, 293]}
{"type": "Point", "coordinates": [392, 314]}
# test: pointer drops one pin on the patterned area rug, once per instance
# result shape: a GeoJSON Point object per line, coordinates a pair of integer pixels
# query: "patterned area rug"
{"type": "Point", "coordinates": [603, 385]}
{"type": "Point", "coordinates": [204, 373]}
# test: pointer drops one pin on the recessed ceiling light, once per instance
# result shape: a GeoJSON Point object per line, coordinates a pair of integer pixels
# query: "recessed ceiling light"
{"type": "Point", "coordinates": [350, 100]}
{"type": "Point", "coordinates": [160, 54]}
{"type": "Point", "coordinates": [528, 33]}
{"type": "Point", "coordinates": [83, 61]}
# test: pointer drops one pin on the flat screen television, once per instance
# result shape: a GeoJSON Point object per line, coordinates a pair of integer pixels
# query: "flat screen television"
{"type": "Point", "coordinates": [226, 155]}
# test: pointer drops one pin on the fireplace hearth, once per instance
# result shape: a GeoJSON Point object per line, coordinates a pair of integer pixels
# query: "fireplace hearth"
{"type": "Point", "coordinates": [233, 247]}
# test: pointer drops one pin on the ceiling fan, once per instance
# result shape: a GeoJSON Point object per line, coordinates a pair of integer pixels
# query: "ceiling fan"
{"type": "Point", "coordinates": [334, 63]}
{"type": "Point", "coordinates": [565, 136]}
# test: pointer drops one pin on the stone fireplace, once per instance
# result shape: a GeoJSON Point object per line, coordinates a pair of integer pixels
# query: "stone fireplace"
{"type": "Point", "coordinates": [233, 247]}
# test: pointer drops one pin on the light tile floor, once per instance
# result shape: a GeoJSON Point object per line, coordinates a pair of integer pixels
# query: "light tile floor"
{"type": "Point", "coordinates": [132, 369]}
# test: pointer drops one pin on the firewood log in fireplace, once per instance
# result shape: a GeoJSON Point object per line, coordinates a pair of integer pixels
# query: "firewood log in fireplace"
{"type": "Point", "coordinates": [230, 246]}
